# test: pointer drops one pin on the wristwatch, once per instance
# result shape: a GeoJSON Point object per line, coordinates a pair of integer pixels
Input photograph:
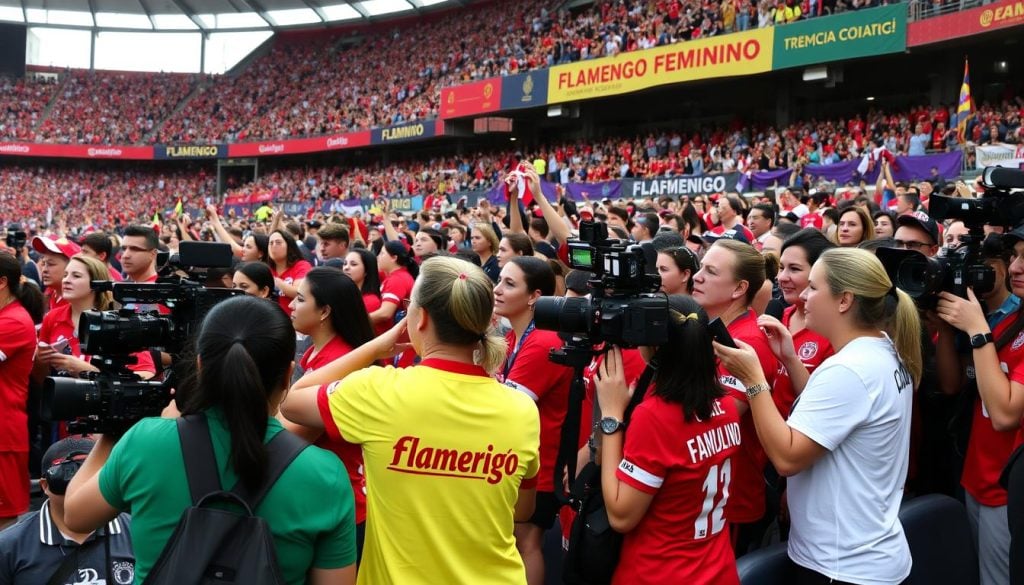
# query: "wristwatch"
{"type": "Point", "coordinates": [756, 389]}
{"type": "Point", "coordinates": [610, 425]}
{"type": "Point", "coordinates": [980, 340]}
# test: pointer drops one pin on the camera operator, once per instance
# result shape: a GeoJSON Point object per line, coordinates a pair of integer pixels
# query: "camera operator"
{"type": "Point", "coordinates": [730, 276]}
{"type": "Point", "coordinates": [20, 305]}
{"type": "Point", "coordinates": [660, 492]}
{"type": "Point", "coordinates": [53, 259]}
{"type": "Point", "coordinates": [59, 350]}
{"type": "Point", "coordinates": [244, 353]}
{"type": "Point", "coordinates": [451, 454]}
{"type": "Point", "coordinates": [16, 240]}
{"type": "Point", "coordinates": [845, 446]}
{"type": "Point", "coordinates": [42, 549]}
{"type": "Point", "coordinates": [919, 232]}
{"type": "Point", "coordinates": [138, 254]}
{"type": "Point", "coordinates": [995, 342]}
{"type": "Point", "coordinates": [523, 280]}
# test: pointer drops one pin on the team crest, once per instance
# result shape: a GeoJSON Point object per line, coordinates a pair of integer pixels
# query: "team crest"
{"type": "Point", "coordinates": [808, 350]}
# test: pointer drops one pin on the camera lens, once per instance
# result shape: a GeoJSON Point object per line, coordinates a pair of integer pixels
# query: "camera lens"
{"type": "Point", "coordinates": [69, 398]}
{"type": "Point", "coordinates": [566, 315]}
{"type": "Point", "coordinates": [920, 276]}
{"type": "Point", "coordinates": [109, 333]}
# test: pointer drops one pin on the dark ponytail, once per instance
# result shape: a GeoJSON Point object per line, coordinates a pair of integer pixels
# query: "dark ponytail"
{"type": "Point", "coordinates": [402, 256]}
{"type": "Point", "coordinates": [686, 370]}
{"type": "Point", "coordinates": [25, 292]}
{"type": "Point", "coordinates": [245, 346]}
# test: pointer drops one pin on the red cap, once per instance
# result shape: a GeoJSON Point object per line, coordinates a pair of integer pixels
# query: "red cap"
{"type": "Point", "coordinates": [62, 246]}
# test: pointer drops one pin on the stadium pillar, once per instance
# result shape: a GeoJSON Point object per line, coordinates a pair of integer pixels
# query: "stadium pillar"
{"type": "Point", "coordinates": [92, 50]}
{"type": "Point", "coordinates": [202, 53]}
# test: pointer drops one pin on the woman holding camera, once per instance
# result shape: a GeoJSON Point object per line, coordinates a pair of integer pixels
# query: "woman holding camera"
{"type": "Point", "coordinates": [730, 276]}
{"type": "Point", "coordinates": [451, 453]}
{"type": "Point", "coordinates": [524, 279]}
{"type": "Point", "coordinates": [667, 496]}
{"type": "Point", "coordinates": [845, 446]}
{"type": "Point", "coordinates": [59, 347]}
{"type": "Point", "coordinates": [997, 350]}
{"type": "Point", "coordinates": [20, 303]}
{"type": "Point", "coordinates": [244, 353]}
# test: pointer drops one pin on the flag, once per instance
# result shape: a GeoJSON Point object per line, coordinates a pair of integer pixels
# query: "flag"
{"type": "Point", "coordinates": [178, 208]}
{"type": "Point", "coordinates": [525, 195]}
{"type": "Point", "coordinates": [965, 106]}
{"type": "Point", "coordinates": [156, 219]}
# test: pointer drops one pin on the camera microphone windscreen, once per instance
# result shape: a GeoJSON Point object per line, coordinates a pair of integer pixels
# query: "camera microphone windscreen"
{"type": "Point", "coordinates": [1002, 178]}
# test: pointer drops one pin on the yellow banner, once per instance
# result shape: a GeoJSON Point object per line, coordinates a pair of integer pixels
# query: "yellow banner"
{"type": "Point", "coordinates": [742, 53]}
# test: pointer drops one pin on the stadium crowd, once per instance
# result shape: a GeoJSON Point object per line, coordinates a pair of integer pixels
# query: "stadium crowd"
{"type": "Point", "coordinates": [318, 84]}
{"type": "Point", "coordinates": [794, 279]}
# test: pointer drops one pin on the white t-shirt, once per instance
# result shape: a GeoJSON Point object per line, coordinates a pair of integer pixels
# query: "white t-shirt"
{"type": "Point", "coordinates": [845, 507]}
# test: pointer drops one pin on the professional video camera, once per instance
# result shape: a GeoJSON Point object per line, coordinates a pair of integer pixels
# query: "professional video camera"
{"type": "Point", "coordinates": [113, 398]}
{"type": "Point", "coordinates": [956, 269]}
{"type": "Point", "coordinates": [624, 308]}
{"type": "Point", "coordinates": [16, 237]}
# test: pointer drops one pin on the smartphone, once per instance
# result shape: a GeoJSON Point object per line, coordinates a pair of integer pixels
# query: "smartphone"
{"type": "Point", "coordinates": [59, 345]}
{"type": "Point", "coordinates": [720, 333]}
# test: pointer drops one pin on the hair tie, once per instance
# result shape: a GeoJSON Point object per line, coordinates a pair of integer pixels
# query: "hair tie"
{"type": "Point", "coordinates": [462, 276]}
{"type": "Point", "coordinates": [483, 337]}
{"type": "Point", "coordinates": [892, 292]}
{"type": "Point", "coordinates": [240, 340]}
{"type": "Point", "coordinates": [691, 317]}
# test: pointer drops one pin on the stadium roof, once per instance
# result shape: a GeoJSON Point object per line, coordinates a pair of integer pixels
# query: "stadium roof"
{"type": "Point", "coordinates": [210, 15]}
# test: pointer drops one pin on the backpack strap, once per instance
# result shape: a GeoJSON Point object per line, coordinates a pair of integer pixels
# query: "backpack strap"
{"type": "Point", "coordinates": [281, 451]}
{"type": "Point", "coordinates": [197, 451]}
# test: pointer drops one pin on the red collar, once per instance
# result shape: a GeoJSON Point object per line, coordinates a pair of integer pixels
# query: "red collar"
{"type": "Point", "coordinates": [454, 367]}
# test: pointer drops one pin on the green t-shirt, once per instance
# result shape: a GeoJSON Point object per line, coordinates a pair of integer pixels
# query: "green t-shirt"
{"type": "Point", "coordinates": [310, 509]}
{"type": "Point", "coordinates": [263, 213]}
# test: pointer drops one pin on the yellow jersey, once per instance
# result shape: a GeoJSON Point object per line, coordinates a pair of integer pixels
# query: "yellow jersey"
{"type": "Point", "coordinates": [446, 449]}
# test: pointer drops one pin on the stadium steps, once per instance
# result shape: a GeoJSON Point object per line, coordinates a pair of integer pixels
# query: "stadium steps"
{"type": "Point", "coordinates": [53, 100]}
{"type": "Point", "coordinates": [148, 138]}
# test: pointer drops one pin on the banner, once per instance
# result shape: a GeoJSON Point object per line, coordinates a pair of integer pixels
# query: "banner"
{"type": "Point", "coordinates": [907, 168]}
{"type": "Point", "coordinates": [861, 33]}
{"type": "Point", "coordinates": [743, 53]}
{"type": "Point", "coordinates": [995, 16]}
{"type": "Point", "coordinates": [76, 151]}
{"type": "Point", "coordinates": [190, 151]}
{"type": "Point", "coordinates": [301, 145]}
{"type": "Point", "coordinates": [682, 185]}
{"type": "Point", "coordinates": [525, 90]}
{"type": "Point", "coordinates": [469, 99]}
{"type": "Point", "coordinates": [405, 132]}
{"type": "Point", "coordinates": [999, 155]}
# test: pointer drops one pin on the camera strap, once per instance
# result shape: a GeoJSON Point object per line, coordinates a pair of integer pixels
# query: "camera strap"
{"type": "Point", "coordinates": [515, 353]}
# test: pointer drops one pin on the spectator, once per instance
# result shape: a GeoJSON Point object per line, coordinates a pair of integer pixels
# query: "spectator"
{"type": "Point", "coordinates": [246, 346]}
{"type": "Point", "coordinates": [446, 402]}
{"type": "Point", "coordinates": [54, 256]}
{"type": "Point", "coordinates": [855, 226]}
{"type": "Point", "coordinates": [255, 278]}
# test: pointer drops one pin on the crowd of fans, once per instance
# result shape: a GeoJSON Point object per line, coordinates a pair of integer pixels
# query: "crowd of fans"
{"type": "Point", "coordinates": [23, 101]}
{"type": "Point", "coordinates": [310, 84]}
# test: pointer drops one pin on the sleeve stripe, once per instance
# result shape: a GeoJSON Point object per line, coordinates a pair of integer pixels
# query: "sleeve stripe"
{"type": "Point", "coordinates": [391, 298]}
{"type": "Point", "coordinates": [3, 356]}
{"type": "Point", "coordinates": [523, 389]}
{"type": "Point", "coordinates": [324, 406]}
{"type": "Point", "coordinates": [634, 471]}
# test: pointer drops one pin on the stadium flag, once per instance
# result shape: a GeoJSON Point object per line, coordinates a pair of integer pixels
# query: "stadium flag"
{"type": "Point", "coordinates": [525, 194]}
{"type": "Point", "coordinates": [965, 106]}
{"type": "Point", "coordinates": [178, 208]}
{"type": "Point", "coordinates": [156, 219]}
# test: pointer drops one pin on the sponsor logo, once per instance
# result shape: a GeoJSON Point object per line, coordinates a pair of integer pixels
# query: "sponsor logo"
{"type": "Point", "coordinates": [680, 186]}
{"type": "Point", "coordinates": [997, 15]}
{"type": "Point", "coordinates": [1018, 342]}
{"type": "Point", "coordinates": [402, 132]}
{"type": "Point", "coordinates": [845, 34]}
{"type": "Point", "coordinates": [337, 141]}
{"type": "Point", "coordinates": [808, 350]}
{"type": "Point", "coordinates": [124, 572]}
{"type": "Point", "coordinates": [191, 151]}
{"type": "Point", "coordinates": [105, 152]}
{"type": "Point", "coordinates": [273, 148]}
{"type": "Point", "coordinates": [487, 464]}
{"type": "Point", "coordinates": [17, 148]}
{"type": "Point", "coordinates": [451, 98]}
{"type": "Point", "coordinates": [527, 89]}
{"type": "Point", "coordinates": [488, 90]}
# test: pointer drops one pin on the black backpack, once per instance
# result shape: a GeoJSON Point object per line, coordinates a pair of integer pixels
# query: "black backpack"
{"type": "Point", "coordinates": [215, 545]}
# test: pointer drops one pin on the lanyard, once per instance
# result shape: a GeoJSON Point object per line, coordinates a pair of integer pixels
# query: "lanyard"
{"type": "Point", "coordinates": [512, 358]}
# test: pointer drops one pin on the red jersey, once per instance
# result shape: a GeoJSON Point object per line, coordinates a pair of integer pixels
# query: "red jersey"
{"type": "Point", "coordinates": [350, 455]}
{"type": "Point", "coordinates": [812, 349]}
{"type": "Point", "coordinates": [988, 450]}
{"type": "Point", "coordinates": [290, 276]}
{"type": "Point", "coordinates": [58, 326]}
{"type": "Point", "coordinates": [53, 299]}
{"type": "Point", "coordinates": [17, 350]}
{"type": "Point", "coordinates": [689, 467]}
{"type": "Point", "coordinates": [114, 275]}
{"type": "Point", "coordinates": [719, 230]}
{"type": "Point", "coordinates": [372, 302]}
{"type": "Point", "coordinates": [397, 289]}
{"type": "Point", "coordinates": [747, 501]}
{"type": "Point", "coordinates": [528, 370]}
